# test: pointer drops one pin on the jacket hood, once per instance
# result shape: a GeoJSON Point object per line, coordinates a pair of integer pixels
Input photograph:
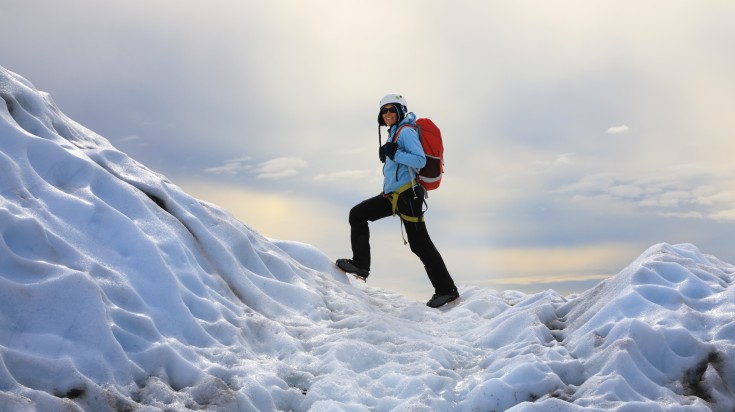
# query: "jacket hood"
{"type": "Point", "coordinates": [410, 118]}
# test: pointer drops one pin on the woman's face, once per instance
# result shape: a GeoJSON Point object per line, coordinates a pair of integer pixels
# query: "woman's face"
{"type": "Point", "coordinates": [390, 114]}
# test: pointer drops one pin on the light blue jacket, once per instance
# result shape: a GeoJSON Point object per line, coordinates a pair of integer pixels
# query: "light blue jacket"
{"type": "Point", "coordinates": [408, 159]}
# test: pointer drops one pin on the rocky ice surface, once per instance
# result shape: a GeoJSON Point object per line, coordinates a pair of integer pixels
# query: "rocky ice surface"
{"type": "Point", "coordinates": [120, 292]}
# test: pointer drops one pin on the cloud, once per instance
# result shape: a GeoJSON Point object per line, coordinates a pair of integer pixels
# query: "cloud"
{"type": "Point", "coordinates": [294, 217]}
{"type": "Point", "coordinates": [618, 129]}
{"type": "Point", "coordinates": [274, 169]}
{"type": "Point", "coordinates": [564, 159]}
{"type": "Point", "coordinates": [528, 264]}
{"type": "Point", "coordinates": [280, 168]}
{"type": "Point", "coordinates": [231, 167]}
{"type": "Point", "coordinates": [675, 192]}
{"type": "Point", "coordinates": [129, 138]}
{"type": "Point", "coordinates": [344, 175]}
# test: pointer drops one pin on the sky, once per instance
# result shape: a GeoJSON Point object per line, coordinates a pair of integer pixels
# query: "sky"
{"type": "Point", "coordinates": [577, 133]}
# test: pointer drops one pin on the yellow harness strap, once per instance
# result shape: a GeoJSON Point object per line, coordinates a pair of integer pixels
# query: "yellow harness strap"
{"type": "Point", "coordinates": [394, 203]}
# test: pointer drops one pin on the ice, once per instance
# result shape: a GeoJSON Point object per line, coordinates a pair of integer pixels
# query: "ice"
{"type": "Point", "coordinates": [118, 291]}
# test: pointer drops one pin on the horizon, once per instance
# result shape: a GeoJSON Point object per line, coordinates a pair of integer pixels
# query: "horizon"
{"type": "Point", "coordinates": [576, 135]}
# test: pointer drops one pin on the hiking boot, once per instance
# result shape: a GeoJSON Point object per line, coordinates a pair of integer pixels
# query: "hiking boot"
{"type": "Point", "coordinates": [441, 300]}
{"type": "Point", "coordinates": [349, 266]}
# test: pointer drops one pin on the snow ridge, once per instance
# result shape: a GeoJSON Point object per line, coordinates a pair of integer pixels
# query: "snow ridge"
{"type": "Point", "coordinates": [118, 291]}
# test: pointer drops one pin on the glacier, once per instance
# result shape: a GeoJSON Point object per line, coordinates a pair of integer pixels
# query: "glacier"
{"type": "Point", "coordinates": [120, 292]}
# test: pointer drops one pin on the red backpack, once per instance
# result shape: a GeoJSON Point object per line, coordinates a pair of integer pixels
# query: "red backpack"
{"type": "Point", "coordinates": [430, 176]}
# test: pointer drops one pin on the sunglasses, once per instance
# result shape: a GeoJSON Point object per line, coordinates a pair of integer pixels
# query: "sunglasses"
{"type": "Point", "coordinates": [387, 110]}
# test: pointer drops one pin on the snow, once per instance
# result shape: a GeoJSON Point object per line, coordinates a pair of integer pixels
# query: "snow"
{"type": "Point", "coordinates": [118, 291]}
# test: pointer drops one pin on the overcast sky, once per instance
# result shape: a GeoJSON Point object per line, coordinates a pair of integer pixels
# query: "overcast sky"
{"type": "Point", "coordinates": [577, 133]}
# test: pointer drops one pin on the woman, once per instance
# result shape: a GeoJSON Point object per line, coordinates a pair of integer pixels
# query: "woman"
{"type": "Point", "coordinates": [403, 156]}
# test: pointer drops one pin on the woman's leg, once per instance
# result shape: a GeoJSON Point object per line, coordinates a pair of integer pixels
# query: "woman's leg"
{"type": "Point", "coordinates": [418, 237]}
{"type": "Point", "coordinates": [366, 211]}
{"type": "Point", "coordinates": [423, 247]}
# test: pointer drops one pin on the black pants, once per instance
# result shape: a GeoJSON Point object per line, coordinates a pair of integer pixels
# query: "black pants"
{"type": "Point", "coordinates": [409, 204]}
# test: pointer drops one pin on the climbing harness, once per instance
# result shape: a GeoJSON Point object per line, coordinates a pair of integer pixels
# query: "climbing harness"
{"type": "Point", "coordinates": [393, 198]}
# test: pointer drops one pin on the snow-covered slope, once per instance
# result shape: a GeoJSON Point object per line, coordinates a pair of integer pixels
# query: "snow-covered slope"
{"type": "Point", "coordinates": [118, 291]}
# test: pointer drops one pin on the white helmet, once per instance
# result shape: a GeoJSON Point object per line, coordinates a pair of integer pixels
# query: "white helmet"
{"type": "Point", "coordinates": [394, 99]}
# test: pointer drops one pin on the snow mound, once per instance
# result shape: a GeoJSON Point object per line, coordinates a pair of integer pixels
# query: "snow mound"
{"type": "Point", "coordinates": [118, 291]}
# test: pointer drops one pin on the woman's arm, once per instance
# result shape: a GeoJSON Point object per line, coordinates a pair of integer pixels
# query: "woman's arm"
{"type": "Point", "coordinates": [410, 152]}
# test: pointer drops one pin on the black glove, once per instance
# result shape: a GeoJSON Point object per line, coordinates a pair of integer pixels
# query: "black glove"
{"type": "Point", "coordinates": [389, 149]}
{"type": "Point", "coordinates": [381, 154]}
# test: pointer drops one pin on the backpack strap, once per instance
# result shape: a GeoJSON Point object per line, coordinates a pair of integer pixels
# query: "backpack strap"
{"type": "Point", "coordinates": [395, 136]}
